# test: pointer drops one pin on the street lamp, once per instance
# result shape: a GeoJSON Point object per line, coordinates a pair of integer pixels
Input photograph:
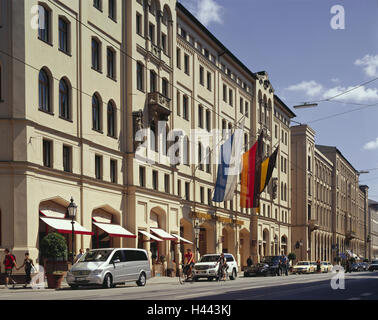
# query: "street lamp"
{"type": "Point", "coordinates": [72, 209]}
{"type": "Point", "coordinates": [197, 230]}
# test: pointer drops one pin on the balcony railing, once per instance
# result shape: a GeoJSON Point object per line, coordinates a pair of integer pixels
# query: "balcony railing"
{"type": "Point", "coordinates": [156, 51]}
{"type": "Point", "coordinates": [350, 235]}
{"type": "Point", "coordinates": [313, 224]}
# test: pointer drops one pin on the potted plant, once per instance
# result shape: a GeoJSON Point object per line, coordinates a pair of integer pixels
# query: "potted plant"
{"type": "Point", "coordinates": [53, 249]}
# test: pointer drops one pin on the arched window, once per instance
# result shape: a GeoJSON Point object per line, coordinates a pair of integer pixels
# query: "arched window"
{"type": "Point", "coordinates": [44, 91]}
{"type": "Point", "coordinates": [96, 113]}
{"type": "Point", "coordinates": [64, 100]}
{"type": "Point", "coordinates": [111, 119]}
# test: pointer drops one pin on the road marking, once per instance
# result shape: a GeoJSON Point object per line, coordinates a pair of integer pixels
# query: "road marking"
{"type": "Point", "coordinates": [367, 294]}
{"type": "Point", "coordinates": [354, 299]}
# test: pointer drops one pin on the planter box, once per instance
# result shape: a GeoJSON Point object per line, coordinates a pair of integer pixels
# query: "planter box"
{"type": "Point", "coordinates": [54, 281]}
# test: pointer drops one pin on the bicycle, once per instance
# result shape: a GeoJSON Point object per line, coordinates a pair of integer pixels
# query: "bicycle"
{"type": "Point", "coordinates": [184, 274]}
{"type": "Point", "coordinates": [222, 273]}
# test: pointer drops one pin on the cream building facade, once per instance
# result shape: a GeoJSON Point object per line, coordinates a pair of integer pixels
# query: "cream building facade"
{"type": "Point", "coordinates": [373, 230]}
{"type": "Point", "coordinates": [88, 98]}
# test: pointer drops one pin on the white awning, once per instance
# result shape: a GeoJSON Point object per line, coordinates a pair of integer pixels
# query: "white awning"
{"type": "Point", "coordinates": [162, 234]}
{"type": "Point", "coordinates": [48, 213]}
{"type": "Point", "coordinates": [114, 230]}
{"type": "Point", "coordinates": [149, 235]}
{"type": "Point", "coordinates": [65, 226]}
{"type": "Point", "coordinates": [182, 239]}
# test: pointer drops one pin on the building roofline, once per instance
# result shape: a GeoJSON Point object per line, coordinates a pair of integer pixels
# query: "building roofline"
{"type": "Point", "coordinates": [291, 113]}
{"type": "Point", "coordinates": [337, 151]}
{"type": "Point", "coordinates": [212, 37]}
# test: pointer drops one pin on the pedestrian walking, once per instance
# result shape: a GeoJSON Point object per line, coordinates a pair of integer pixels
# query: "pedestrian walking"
{"type": "Point", "coordinates": [28, 264]}
{"type": "Point", "coordinates": [9, 263]}
{"type": "Point", "coordinates": [80, 254]}
{"type": "Point", "coordinates": [283, 265]}
{"type": "Point", "coordinates": [318, 266]}
{"type": "Point", "coordinates": [249, 261]}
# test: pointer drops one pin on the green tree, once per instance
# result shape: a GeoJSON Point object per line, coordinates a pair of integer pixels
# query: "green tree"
{"type": "Point", "coordinates": [53, 246]}
{"type": "Point", "coordinates": [292, 256]}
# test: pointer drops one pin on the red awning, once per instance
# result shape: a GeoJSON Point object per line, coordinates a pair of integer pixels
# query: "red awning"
{"type": "Point", "coordinates": [162, 234]}
{"type": "Point", "coordinates": [114, 230]}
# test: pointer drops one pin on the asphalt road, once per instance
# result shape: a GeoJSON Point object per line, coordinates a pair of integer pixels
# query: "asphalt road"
{"type": "Point", "coordinates": [358, 286]}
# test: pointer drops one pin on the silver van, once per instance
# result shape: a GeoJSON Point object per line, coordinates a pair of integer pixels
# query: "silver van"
{"type": "Point", "coordinates": [108, 267]}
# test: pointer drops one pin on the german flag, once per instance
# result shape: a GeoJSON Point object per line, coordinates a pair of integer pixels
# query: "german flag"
{"type": "Point", "coordinates": [251, 175]}
{"type": "Point", "coordinates": [267, 168]}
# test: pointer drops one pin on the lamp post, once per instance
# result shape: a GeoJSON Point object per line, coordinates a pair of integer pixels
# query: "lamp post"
{"type": "Point", "coordinates": [197, 230]}
{"type": "Point", "coordinates": [72, 209]}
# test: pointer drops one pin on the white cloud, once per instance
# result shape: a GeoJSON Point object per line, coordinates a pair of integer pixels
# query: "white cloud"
{"type": "Point", "coordinates": [206, 11]}
{"type": "Point", "coordinates": [311, 88]}
{"type": "Point", "coordinates": [335, 80]}
{"type": "Point", "coordinates": [360, 94]}
{"type": "Point", "coordinates": [371, 145]}
{"type": "Point", "coordinates": [370, 64]}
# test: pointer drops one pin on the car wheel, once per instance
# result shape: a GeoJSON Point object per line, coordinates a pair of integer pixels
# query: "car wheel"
{"type": "Point", "coordinates": [74, 286]}
{"type": "Point", "coordinates": [108, 281]}
{"type": "Point", "coordinates": [142, 280]}
{"type": "Point", "coordinates": [233, 275]}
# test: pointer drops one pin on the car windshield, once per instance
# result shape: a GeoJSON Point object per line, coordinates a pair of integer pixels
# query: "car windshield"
{"type": "Point", "coordinates": [271, 260]}
{"type": "Point", "coordinates": [302, 263]}
{"type": "Point", "coordinates": [96, 256]}
{"type": "Point", "coordinates": [209, 258]}
{"type": "Point", "coordinates": [375, 262]}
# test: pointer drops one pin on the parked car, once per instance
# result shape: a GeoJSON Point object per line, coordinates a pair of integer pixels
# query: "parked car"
{"type": "Point", "coordinates": [365, 266]}
{"type": "Point", "coordinates": [303, 267]}
{"type": "Point", "coordinates": [274, 265]}
{"type": "Point", "coordinates": [326, 266]}
{"type": "Point", "coordinates": [260, 269]}
{"type": "Point", "coordinates": [208, 267]}
{"type": "Point", "coordinates": [108, 267]}
{"type": "Point", "coordinates": [315, 266]}
{"type": "Point", "coordinates": [373, 265]}
{"type": "Point", "coordinates": [356, 267]}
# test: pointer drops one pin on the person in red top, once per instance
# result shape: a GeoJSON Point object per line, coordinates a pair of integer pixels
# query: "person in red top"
{"type": "Point", "coordinates": [9, 263]}
{"type": "Point", "coordinates": [189, 262]}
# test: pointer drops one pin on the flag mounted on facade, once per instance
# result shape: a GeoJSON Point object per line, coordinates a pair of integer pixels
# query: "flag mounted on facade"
{"type": "Point", "coordinates": [267, 168]}
{"type": "Point", "coordinates": [229, 166]}
{"type": "Point", "coordinates": [251, 175]}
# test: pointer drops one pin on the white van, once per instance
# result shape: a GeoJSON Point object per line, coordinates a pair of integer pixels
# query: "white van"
{"type": "Point", "coordinates": [108, 267]}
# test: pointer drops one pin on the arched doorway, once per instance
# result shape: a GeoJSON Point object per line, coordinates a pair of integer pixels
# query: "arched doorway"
{"type": "Point", "coordinates": [158, 221]}
{"type": "Point", "coordinates": [284, 245]}
{"type": "Point", "coordinates": [244, 247]}
{"type": "Point", "coordinates": [265, 243]}
{"type": "Point", "coordinates": [186, 232]}
{"type": "Point", "coordinates": [101, 238]}
{"type": "Point", "coordinates": [228, 240]}
{"type": "Point", "coordinates": [206, 239]}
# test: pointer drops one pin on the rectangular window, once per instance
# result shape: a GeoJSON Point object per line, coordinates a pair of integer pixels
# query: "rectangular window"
{"type": "Point", "coordinates": [166, 183]}
{"type": "Point", "coordinates": [187, 191]}
{"type": "Point", "coordinates": [309, 212]}
{"type": "Point", "coordinates": [178, 58]}
{"type": "Point", "coordinates": [97, 4]}
{"type": "Point", "coordinates": [164, 88]}
{"type": "Point", "coordinates": [155, 182]}
{"type": "Point", "coordinates": [140, 78]}
{"type": "Point", "coordinates": [98, 167]}
{"type": "Point", "coordinates": [276, 131]}
{"type": "Point", "coordinates": [185, 108]}
{"type": "Point", "coordinates": [67, 151]}
{"type": "Point", "coordinates": [47, 153]}
{"type": "Point", "coordinates": [230, 94]}
{"type": "Point", "coordinates": [111, 63]}
{"type": "Point", "coordinates": [179, 188]}
{"type": "Point", "coordinates": [142, 176]}
{"type": "Point", "coordinates": [139, 24]}
{"type": "Point", "coordinates": [164, 43]}
{"type": "Point", "coordinates": [113, 171]}
{"type": "Point", "coordinates": [178, 103]}
{"type": "Point", "coordinates": [200, 116]}
{"type": "Point", "coordinates": [183, 33]}
{"type": "Point", "coordinates": [209, 197]}
{"type": "Point", "coordinates": [201, 76]}
{"type": "Point", "coordinates": [63, 35]}
{"type": "Point", "coordinates": [208, 120]}
{"type": "Point", "coordinates": [202, 194]}
{"type": "Point", "coordinates": [241, 108]}
{"type": "Point", "coordinates": [112, 9]}
{"type": "Point", "coordinates": [209, 81]}
{"type": "Point", "coordinates": [151, 32]}
{"type": "Point", "coordinates": [246, 109]}
{"type": "Point", "coordinates": [96, 54]}
{"type": "Point", "coordinates": [224, 93]}
{"type": "Point", "coordinates": [44, 27]}
{"type": "Point", "coordinates": [186, 64]}
{"type": "Point", "coordinates": [153, 81]}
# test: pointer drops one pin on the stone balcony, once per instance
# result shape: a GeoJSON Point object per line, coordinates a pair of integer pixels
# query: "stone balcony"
{"type": "Point", "coordinates": [159, 105]}
{"type": "Point", "coordinates": [313, 224]}
{"type": "Point", "coordinates": [350, 235]}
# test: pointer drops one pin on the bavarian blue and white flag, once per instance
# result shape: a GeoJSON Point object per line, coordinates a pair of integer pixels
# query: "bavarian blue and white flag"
{"type": "Point", "coordinates": [229, 166]}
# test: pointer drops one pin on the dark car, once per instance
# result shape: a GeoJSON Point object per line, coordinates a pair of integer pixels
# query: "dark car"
{"type": "Point", "coordinates": [260, 269]}
{"type": "Point", "coordinates": [373, 265]}
{"type": "Point", "coordinates": [274, 265]}
{"type": "Point", "coordinates": [364, 266]}
{"type": "Point", "coordinates": [356, 267]}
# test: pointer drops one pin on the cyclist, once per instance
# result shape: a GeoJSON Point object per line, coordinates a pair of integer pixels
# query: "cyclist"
{"type": "Point", "coordinates": [222, 267]}
{"type": "Point", "coordinates": [188, 263]}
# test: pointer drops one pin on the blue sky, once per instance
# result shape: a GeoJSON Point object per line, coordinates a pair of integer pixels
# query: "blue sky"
{"type": "Point", "coordinates": [307, 60]}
